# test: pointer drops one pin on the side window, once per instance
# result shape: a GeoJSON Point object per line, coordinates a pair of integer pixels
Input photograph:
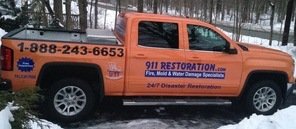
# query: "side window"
{"type": "Point", "coordinates": [201, 38]}
{"type": "Point", "coordinates": [158, 34]}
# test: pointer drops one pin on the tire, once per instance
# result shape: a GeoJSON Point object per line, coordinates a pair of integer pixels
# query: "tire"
{"type": "Point", "coordinates": [263, 97]}
{"type": "Point", "coordinates": [70, 100]}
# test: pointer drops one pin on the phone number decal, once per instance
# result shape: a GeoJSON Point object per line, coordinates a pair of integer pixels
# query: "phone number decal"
{"type": "Point", "coordinates": [67, 49]}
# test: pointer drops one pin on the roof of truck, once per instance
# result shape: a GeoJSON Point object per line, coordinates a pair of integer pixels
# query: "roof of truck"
{"type": "Point", "coordinates": [162, 16]}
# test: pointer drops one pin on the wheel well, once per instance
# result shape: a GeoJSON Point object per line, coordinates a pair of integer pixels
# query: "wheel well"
{"type": "Point", "coordinates": [53, 72]}
{"type": "Point", "coordinates": [280, 78]}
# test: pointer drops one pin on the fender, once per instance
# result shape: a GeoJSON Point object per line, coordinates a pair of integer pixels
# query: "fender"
{"type": "Point", "coordinates": [270, 72]}
{"type": "Point", "coordinates": [97, 69]}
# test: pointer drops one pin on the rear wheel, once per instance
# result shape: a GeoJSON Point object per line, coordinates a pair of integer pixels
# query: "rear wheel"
{"type": "Point", "coordinates": [70, 100]}
{"type": "Point", "coordinates": [264, 97]}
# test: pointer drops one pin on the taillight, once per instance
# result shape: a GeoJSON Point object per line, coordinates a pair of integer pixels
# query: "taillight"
{"type": "Point", "coordinates": [6, 58]}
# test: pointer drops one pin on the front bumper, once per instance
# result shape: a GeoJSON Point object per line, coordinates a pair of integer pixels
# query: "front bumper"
{"type": "Point", "coordinates": [5, 84]}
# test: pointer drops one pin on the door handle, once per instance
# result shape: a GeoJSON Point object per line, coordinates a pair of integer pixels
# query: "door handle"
{"type": "Point", "coordinates": [140, 56]}
{"type": "Point", "coordinates": [194, 58]}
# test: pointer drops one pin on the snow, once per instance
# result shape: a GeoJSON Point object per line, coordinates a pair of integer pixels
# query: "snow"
{"type": "Point", "coordinates": [43, 124]}
{"type": "Point", "coordinates": [6, 117]}
{"type": "Point", "coordinates": [133, 124]}
{"type": "Point", "coordinates": [2, 32]}
{"type": "Point", "coordinates": [110, 18]}
{"type": "Point", "coordinates": [18, 3]}
{"type": "Point", "coordinates": [282, 119]}
{"type": "Point", "coordinates": [8, 17]}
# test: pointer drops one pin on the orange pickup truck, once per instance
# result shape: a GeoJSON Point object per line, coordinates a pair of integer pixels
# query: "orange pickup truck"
{"type": "Point", "coordinates": [147, 60]}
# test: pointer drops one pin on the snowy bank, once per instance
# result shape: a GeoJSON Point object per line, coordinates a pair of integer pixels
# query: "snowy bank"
{"type": "Point", "coordinates": [2, 32]}
{"type": "Point", "coordinates": [283, 119]}
{"type": "Point", "coordinates": [6, 117]}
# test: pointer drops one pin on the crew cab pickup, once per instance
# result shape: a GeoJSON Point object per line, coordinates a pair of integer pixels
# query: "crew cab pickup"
{"type": "Point", "coordinates": [148, 59]}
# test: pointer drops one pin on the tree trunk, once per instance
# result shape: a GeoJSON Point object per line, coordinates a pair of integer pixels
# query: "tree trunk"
{"type": "Point", "coordinates": [166, 6]}
{"type": "Point", "coordinates": [44, 16]}
{"type": "Point", "coordinates": [58, 9]}
{"type": "Point", "coordinates": [205, 9]}
{"type": "Point", "coordinates": [90, 12]}
{"type": "Point", "coordinates": [155, 6]}
{"type": "Point", "coordinates": [68, 15]}
{"type": "Point", "coordinates": [82, 14]}
{"type": "Point", "coordinates": [295, 33]}
{"type": "Point", "coordinates": [271, 23]}
{"type": "Point", "coordinates": [96, 14]}
{"type": "Point", "coordinates": [47, 5]}
{"type": "Point", "coordinates": [140, 6]}
{"type": "Point", "coordinates": [218, 8]}
{"type": "Point", "coordinates": [211, 10]}
{"type": "Point", "coordinates": [287, 22]}
{"type": "Point", "coordinates": [223, 12]}
{"type": "Point", "coordinates": [245, 11]}
{"type": "Point", "coordinates": [119, 6]}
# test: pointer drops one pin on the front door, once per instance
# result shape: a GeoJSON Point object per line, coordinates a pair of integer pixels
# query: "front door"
{"type": "Point", "coordinates": [214, 72]}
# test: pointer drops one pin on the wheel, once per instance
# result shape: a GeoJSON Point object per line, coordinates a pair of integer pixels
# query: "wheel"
{"type": "Point", "coordinates": [263, 97]}
{"type": "Point", "coordinates": [70, 100]}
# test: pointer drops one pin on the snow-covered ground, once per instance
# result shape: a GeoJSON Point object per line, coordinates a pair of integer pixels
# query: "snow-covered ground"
{"type": "Point", "coordinates": [6, 117]}
{"type": "Point", "coordinates": [282, 119]}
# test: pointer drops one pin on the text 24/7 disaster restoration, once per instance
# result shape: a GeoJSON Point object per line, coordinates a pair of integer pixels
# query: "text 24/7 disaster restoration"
{"type": "Point", "coordinates": [148, 59]}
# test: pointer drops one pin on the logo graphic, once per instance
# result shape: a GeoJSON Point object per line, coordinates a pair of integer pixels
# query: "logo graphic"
{"type": "Point", "coordinates": [114, 72]}
{"type": "Point", "coordinates": [25, 64]}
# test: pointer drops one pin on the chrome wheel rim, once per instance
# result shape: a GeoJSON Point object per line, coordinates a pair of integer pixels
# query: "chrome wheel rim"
{"type": "Point", "coordinates": [264, 99]}
{"type": "Point", "coordinates": [69, 100]}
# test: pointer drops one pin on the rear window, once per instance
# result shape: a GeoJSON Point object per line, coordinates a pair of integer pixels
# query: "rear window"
{"type": "Point", "coordinates": [120, 27]}
{"type": "Point", "coordinates": [158, 34]}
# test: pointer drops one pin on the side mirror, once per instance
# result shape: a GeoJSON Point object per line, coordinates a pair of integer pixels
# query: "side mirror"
{"type": "Point", "coordinates": [231, 51]}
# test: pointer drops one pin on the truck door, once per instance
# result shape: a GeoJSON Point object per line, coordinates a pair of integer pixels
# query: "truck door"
{"type": "Point", "coordinates": [155, 46]}
{"type": "Point", "coordinates": [211, 71]}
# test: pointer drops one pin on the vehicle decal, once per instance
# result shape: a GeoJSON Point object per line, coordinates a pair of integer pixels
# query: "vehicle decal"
{"type": "Point", "coordinates": [24, 76]}
{"type": "Point", "coordinates": [25, 64]}
{"type": "Point", "coordinates": [67, 49]}
{"type": "Point", "coordinates": [182, 86]}
{"type": "Point", "coordinates": [114, 72]}
{"type": "Point", "coordinates": [184, 70]}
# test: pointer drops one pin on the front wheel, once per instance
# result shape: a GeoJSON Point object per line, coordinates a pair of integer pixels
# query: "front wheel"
{"type": "Point", "coordinates": [263, 97]}
{"type": "Point", "coordinates": [70, 100]}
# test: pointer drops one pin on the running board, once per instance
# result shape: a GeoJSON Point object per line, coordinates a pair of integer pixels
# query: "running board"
{"type": "Point", "coordinates": [153, 102]}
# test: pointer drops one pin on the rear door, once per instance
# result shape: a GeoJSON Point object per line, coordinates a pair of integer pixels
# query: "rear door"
{"type": "Point", "coordinates": [156, 49]}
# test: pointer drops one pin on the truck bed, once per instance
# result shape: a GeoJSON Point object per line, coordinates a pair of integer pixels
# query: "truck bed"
{"type": "Point", "coordinates": [95, 36]}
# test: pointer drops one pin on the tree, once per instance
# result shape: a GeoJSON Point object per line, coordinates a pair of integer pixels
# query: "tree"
{"type": "Point", "coordinates": [90, 12]}
{"type": "Point", "coordinates": [155, 6]}
{"type": "Point", "coordinates": [287, 22]}
{"type": "Point", "coordinates": [68, 15]}
{"type": "Point", "coordinates": [205, 9]}
{"type": "Point", "coordinates": [96, 14]}
{"type": "Point", "coordinates": [140, 6]}
{"type": "Point", "coordinates": [58, 9]}
{"type": "Point", "coordinates": [245, 10]}
{"type": "Point", "coordinates": [82, 14]}
{"type": "Point", "coordinates": [44, 18]}
{"type": "Point", "coordinates": [166, 6]}
{"type": "Point", "coordinates": [211, 10]}
{"type": "Point", "coordinates": [271, 22]}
